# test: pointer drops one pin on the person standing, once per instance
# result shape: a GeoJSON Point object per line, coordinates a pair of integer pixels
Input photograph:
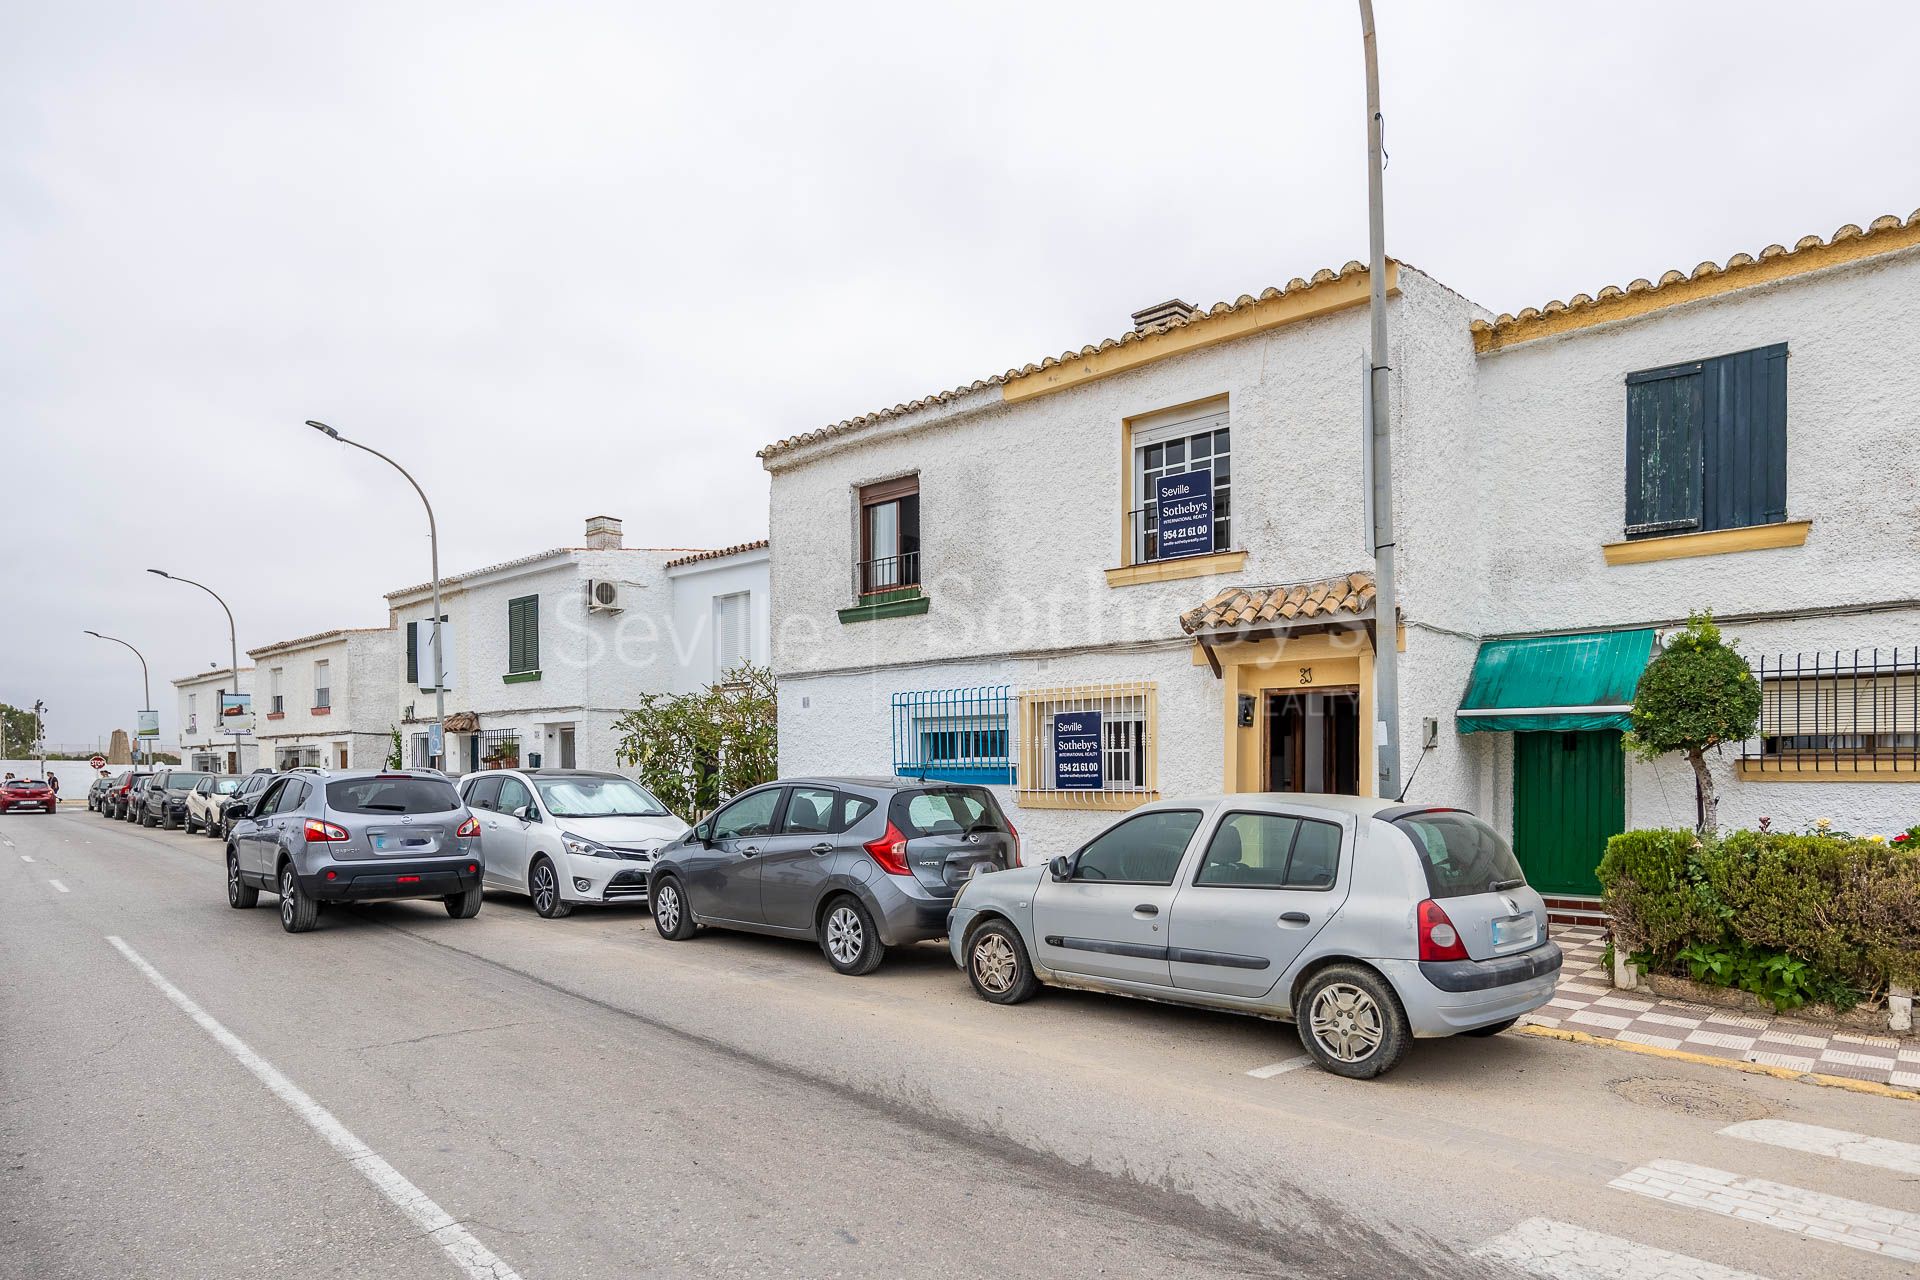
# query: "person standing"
{"type": "Point", "coordinates": [53, 785]}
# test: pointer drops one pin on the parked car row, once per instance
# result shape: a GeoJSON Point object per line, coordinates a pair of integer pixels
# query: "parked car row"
{"type": "Point", "coordinates": [1368, 924]}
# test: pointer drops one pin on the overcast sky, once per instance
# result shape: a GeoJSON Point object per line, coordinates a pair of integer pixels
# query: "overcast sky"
{"type": "Point", "coordinates": [568, 258]}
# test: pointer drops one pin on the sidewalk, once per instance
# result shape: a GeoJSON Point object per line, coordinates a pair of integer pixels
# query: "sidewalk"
{"type": "Point", "coordinates": [1586, 1002]}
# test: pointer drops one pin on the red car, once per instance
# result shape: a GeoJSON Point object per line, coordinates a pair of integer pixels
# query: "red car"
{"type": "Point", "coordinates": [26, 793]}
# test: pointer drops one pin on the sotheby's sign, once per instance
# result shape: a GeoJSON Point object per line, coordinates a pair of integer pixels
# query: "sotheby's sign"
{"type": "Point", "coordinates": [1184, 512]}
{"type": "Point", "coordinates": [1076, 751]}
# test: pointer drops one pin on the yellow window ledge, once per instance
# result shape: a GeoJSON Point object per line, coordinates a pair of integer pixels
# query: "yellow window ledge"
{"type": "Point", "coordinates": [1827, 771]}
{"type": "Point", "coordinates": [1718, 542]}
{"type": "Point", "coordinates": [1112, 801]}
{"type": "Point", "coordinates": [1171, 570]}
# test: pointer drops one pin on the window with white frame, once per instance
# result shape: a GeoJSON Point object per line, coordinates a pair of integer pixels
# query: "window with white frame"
{"type": "Point", "coordinates": [732, 645]}
{"type": "Point", "coordinates": [1058, 745]}
{"type": "Point", "coordinates": [322, 685]}
{"type": "Point", "coordinates": [1174, 443]}
{"type": "Point", "coordinates": [193, 713]}
{"type": "Point", "coordinates": [279, 703]}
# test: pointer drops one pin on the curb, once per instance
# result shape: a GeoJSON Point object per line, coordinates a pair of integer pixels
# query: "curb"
{"type": "Point", "coordinates": [1708, 1060]}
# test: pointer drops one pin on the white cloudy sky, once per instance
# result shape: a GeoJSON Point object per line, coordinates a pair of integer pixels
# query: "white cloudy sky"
{"type": "Point", "coordinates": [569, 258]}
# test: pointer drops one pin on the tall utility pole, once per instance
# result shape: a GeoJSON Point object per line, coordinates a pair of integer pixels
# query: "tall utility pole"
{"type": "Point", "coordinates": [433, 537]}
{"type": "Point", "coordinates": [233, 642]}
{"type": "Point", "coordinates": [1386, 613]}
{"type": "Point", "coordinates": [146, 693]}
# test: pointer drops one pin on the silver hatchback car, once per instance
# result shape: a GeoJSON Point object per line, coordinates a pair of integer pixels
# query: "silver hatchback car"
{"type": "Point", "coordinates": [1368, 923]}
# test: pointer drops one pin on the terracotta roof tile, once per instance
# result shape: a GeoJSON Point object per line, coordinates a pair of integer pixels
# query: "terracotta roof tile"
{"type": "Point", "coordinates": [1241, 608]}
{"type": "Point", "coordinates": [719, 553]}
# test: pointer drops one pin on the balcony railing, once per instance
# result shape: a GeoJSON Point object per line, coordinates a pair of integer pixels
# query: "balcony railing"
{"type": "Point", "coordinates": [886, 573]}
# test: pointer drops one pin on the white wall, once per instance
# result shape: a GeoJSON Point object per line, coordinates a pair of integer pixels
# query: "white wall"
{"type": "Point", "coordinates": [75, 777]}
{"type": "Point", "coordinates": [695, 588]}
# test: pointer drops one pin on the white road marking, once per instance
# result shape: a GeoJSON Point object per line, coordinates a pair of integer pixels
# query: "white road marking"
{"type": "Point", "coordinates": [1273, 1069]}
{"type": "Point", "coordinates": [1882, 1153]}
{"type": "Point", "coordinates": [26, 858]}
{"type": "Point", "coordinates": [62, 888]}
{"type": "Point", "coordinates": [467, 1253]}
{"type": "Point", "coordinates": [1562, 1251]}
{"type": "Point", "coordinates": [1886, 1233]}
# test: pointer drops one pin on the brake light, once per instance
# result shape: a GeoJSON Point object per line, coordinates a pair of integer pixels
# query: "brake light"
{"type": "Point", "coordinates": [409, 879]}
{"type": "Point", "coordinates": [1439, 940]}
{"type": "Point", "coordinates": [1015, 833]}
{"type": "Point", "coordinates": [319, 832]}
{"type": "Point", "coordinates": [890, 851]}
{"type": "Point", "coordinates": [469, 828]}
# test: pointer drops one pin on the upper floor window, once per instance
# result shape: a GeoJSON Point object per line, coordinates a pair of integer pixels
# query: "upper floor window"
{"type": "Point", "coordinates": [322, 684]}
{"type": "Point", "coordinates": [273, 690]}
{"type": "Point", "coordinates": [889, 536]}
{"type": "Point", "coordinates": [193, 716]}
{"type": "Point", "coordinates": [1182, 483]}
{"type": "Point", "coordinates": [523, 635]}
{"type": "Point", "coordinates": [1707, 444]}
{"type": "Point", "coordinates": [731, 646]}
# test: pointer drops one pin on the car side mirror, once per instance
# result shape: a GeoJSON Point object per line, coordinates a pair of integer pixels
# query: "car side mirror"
{"type": "Point", "coordinates": [527, 813]}
{"type": "Point", "coordinates": [241, 809]}
{"type": "Point", "coordinates": [704, 834]}
{"type": "Point", "coordinates": [1061, 868]}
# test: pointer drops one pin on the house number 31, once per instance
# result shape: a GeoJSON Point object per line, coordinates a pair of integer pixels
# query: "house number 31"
{"type": "Point", "coordinates": [1306, 675]}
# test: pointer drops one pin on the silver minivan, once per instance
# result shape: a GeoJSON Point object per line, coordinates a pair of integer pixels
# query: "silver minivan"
{"type": "Point", "coordinates": [1368, 923]}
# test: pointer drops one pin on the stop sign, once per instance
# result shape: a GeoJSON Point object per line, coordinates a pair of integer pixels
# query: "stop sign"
{"type": "Point", "coordinates": [97, 761]}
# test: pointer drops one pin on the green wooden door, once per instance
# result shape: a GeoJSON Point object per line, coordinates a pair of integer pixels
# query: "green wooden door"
{"type": "Point", "coordinates": [1569, 797]}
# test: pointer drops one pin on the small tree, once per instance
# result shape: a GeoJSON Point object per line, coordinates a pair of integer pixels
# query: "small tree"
{"type": "Point", "coordinates": [1697, 693]}
{"type": "Point", "coordinates": [693, 750]}
{"type": "Point", "coordinates": [396, 755]}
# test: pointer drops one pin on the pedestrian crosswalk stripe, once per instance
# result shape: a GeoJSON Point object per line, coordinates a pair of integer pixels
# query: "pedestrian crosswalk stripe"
{"type": "Point", "coordinates": [1887, 1233]}
{"type": "Point", "coordinates": [1562, 1251]}
{"type": "Point", "coordinates": [1882, 1153]}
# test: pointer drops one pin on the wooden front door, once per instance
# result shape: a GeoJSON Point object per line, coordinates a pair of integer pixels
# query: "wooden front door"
{"type": "Point", "coordinates": [1569, 798]}
{"type": "Point", "coordinates": [1313, 741]}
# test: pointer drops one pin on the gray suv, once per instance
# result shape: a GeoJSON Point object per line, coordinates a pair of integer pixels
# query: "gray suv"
{"type": "Point", "coordinates": [855, 864]}
{"type": "Point", "coordinates": [317, 836]}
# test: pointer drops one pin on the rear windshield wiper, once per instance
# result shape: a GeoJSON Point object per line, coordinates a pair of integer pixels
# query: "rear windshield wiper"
{"type": "Point", "coordinates": [1501, 886]}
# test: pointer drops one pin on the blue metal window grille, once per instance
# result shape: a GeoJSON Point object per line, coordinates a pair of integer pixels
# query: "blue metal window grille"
{"type": "Point", "coordinates": [954, 735]}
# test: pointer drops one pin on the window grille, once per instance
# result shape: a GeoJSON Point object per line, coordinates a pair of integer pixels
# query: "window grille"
{"type": "Point", "coordinates": [1129, 753]}
{"type": "Point", "coordinates": [954, 735]}
{"type": "Point", "coordinates": [322, 685]}
{"type": "Point", "coordinates": [1851, 709]}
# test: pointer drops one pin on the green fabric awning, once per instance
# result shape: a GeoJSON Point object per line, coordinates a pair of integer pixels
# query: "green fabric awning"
{"type": "Point", "coordinates": [1554, 682]}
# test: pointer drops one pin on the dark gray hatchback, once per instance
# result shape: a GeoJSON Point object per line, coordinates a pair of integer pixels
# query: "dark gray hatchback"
{"type": "Point", "coordinates": [856, 864]}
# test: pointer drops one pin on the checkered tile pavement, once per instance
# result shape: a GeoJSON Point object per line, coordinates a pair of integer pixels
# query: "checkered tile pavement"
{"type": "Point", "coordinates": [1586, 1001]}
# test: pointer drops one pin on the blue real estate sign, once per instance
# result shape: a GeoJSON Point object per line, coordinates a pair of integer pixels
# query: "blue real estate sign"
{"type": "Point", "coordinates": [1184, 511]}
{"type": "Point", "coordinates": [1076, 751]}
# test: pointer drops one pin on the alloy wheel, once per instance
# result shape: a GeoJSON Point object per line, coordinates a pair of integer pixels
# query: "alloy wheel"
{"type": "Point", "coordinates": [993, 963]}
{"type": "Point", "coordinates": [233, 880]}
{"type": "Point", "coordinates": [666, 908]}
{"type": "Point", "coordinates": [286, 897]}
{"type": "Point", "coordinates": [544, 889]}
{"type": "Point", "coordinates": [1345, 1021]}
{"type": "Point", "coordinates": [845, 937]}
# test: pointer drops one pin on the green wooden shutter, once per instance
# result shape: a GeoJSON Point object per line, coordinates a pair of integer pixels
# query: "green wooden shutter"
{"type": "Point", "coordinates": [413, 653]}
{"type": "Point", "coordinates": [1569, 798]}
{"type": "Point", "coordinates": [1664, 419]}
{"type": "Point", "coordinates": [1745, 462]}
{"type": "Point", "coordinates": [523, 634]}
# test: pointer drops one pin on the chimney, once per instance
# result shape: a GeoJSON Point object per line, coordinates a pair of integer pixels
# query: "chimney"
{"type": "Point", "coordinates": [603, 533]}
{"type": "Point", "coordinates": [1161, 312]}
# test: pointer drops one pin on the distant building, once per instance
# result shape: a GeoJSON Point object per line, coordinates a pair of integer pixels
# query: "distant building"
{"type": "Point", "coordinates": [203, 743]}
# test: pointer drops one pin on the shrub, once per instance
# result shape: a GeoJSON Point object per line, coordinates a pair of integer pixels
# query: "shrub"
{"type": "Point", "coordinates": [1695, 695]}
{"type": "Point", "coordinates": [1648, 884]}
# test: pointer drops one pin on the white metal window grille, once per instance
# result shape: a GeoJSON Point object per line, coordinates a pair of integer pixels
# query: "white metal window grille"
{"type": "Point", "coordinates": [730, 631]}
{"type": "Point", "coordinates": [1129, 748]}
{"type": "Point", "coordinates": [421, 759]}
{"type": "Point", "coordinates": [1170, 445]}
{"type": "Point", "coordinates": [322, 684]}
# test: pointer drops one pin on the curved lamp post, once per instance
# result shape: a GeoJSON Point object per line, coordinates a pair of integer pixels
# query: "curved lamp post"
{"type": "Point", "coordinates": [433, 535]}
{"type": "Point", "coordinates": [146, 690]}
{"type": "Point", "coordinates": [233, 641]}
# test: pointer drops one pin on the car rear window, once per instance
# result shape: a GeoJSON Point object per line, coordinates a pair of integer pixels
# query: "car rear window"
{"type": "Point", "coordinates": [946, 811]}
{"type": "Point", "coordinates": [1461, 854]}
{"type": "Point", "coordinates": [391, 795]}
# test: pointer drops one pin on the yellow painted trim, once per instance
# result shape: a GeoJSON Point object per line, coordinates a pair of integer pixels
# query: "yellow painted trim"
{"type": "Point", "coordinates": [1718, 542]}
{"type": "Point", "coordinates": [1171, 570]}
{"type": "Point", "coordinates": [1844, 771]}
{"type": "Point", "coordinates": [1336, 660]}
{"type": "Point", "coordinates": [1706, 1060]}
{"type": "Point", "coordinates": [1243, 321]}
{"type": "Point", "coordinates": [1708, 281]}
{"type": "Point", "coordinates": [1093, 801]}
{"type": "Point", "coordinates": [1032, 701]}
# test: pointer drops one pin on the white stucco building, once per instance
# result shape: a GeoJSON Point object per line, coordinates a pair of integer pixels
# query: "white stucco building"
{"type": "Point", "coordinates": [324, 699]}
{"type": "Point", "coordinates": [960, 583]}
{"type": "Point", "coordinates": [203, 744]}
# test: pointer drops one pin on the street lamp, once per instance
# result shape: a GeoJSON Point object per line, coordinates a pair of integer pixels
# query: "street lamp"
{"type": "Point", "coordinates": [433, 535]}
{"type": "Point", "coordinates": [146, 690]}
{"type": "Point", "coordinates": [233, 641]}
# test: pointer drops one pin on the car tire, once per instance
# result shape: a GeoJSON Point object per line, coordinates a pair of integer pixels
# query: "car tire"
{"type": "Point", "coordinates": [1493, 1030]}
{"type": "Point", "coordinates": [1351, 1022]}
{"type": "Point", "coordinates": [464, 905]}
{"type": "Point", "coordinates": [166, 821]}
{"type": "Point", "coordinates": [298, 912]}
{"type": "Point", "coordinates": [148, 821]}
{"type": "Point", "coordinates": [997, 964]}
{"type": "Point", "coordinates": [241, 896]}
{"type": "Point", "coordinates": [543, 886]}
{"type": "Point", "coordinates": [189, 826]}
{"type": "Point", "coordinates": [848, 939]}
{"type": "Point", "coordinates": [672, 917]}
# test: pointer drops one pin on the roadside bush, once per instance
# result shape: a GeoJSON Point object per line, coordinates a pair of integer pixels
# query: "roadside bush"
{"type": "Point", "coordinates": [1792, 918]}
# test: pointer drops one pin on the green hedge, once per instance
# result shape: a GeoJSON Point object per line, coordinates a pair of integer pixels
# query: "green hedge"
{"type": "Point", "coordinates": [1848, 908]}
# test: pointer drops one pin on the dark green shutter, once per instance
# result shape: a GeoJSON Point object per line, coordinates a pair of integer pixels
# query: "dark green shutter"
{"type": "Point", "coordinates": [1746, 442]}
{"type": "Point", "coordinates": [523, 634]}
{"type": "Point", "coordinates": [1664, 413]}
{"type": "Point", "coordinates": [1569, 798]}
{"type": "Point", "coordinates": [413, 653]}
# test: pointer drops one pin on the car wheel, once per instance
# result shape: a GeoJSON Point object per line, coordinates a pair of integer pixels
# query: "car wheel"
{"type": "Point", "coordinates": [464, 905]}
{"type": "Point", "coordinates": [672, 919]}
{"type": "Point", "coordinates": [241, 896]}
{"type": "Point", "coordinates": [148, 821]}
{"type": "Point", "coordinates": [848, 939]}
{"type": "Point", "coordinates": [543, 886]}
{"type": "Point", "coordinates": [1351, 1022]}
{"type": "Point", "coordinates": [997, 964]}
{"type": "Point", "coordinates": [1493, 1030]}
{"type": "Point", "coordinates": [166, 820]}
{"type": "Point", "coordinates": [189, 825]}
{"type": "Point", "coordinates": [298, 912]}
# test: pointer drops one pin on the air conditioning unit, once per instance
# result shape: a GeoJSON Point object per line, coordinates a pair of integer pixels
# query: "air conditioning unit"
{"type": "Point", "coordinates": [602, 597]}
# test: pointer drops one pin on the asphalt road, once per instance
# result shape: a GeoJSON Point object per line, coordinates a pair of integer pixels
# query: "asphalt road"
{"type": "Point", "coordinates": [403, 1094]}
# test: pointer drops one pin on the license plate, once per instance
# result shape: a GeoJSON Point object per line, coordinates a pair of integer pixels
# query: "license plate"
{"type": "Point", "coordinates": [383, 843]}
{"type": "Point", "coordinates": [1512, 931]}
